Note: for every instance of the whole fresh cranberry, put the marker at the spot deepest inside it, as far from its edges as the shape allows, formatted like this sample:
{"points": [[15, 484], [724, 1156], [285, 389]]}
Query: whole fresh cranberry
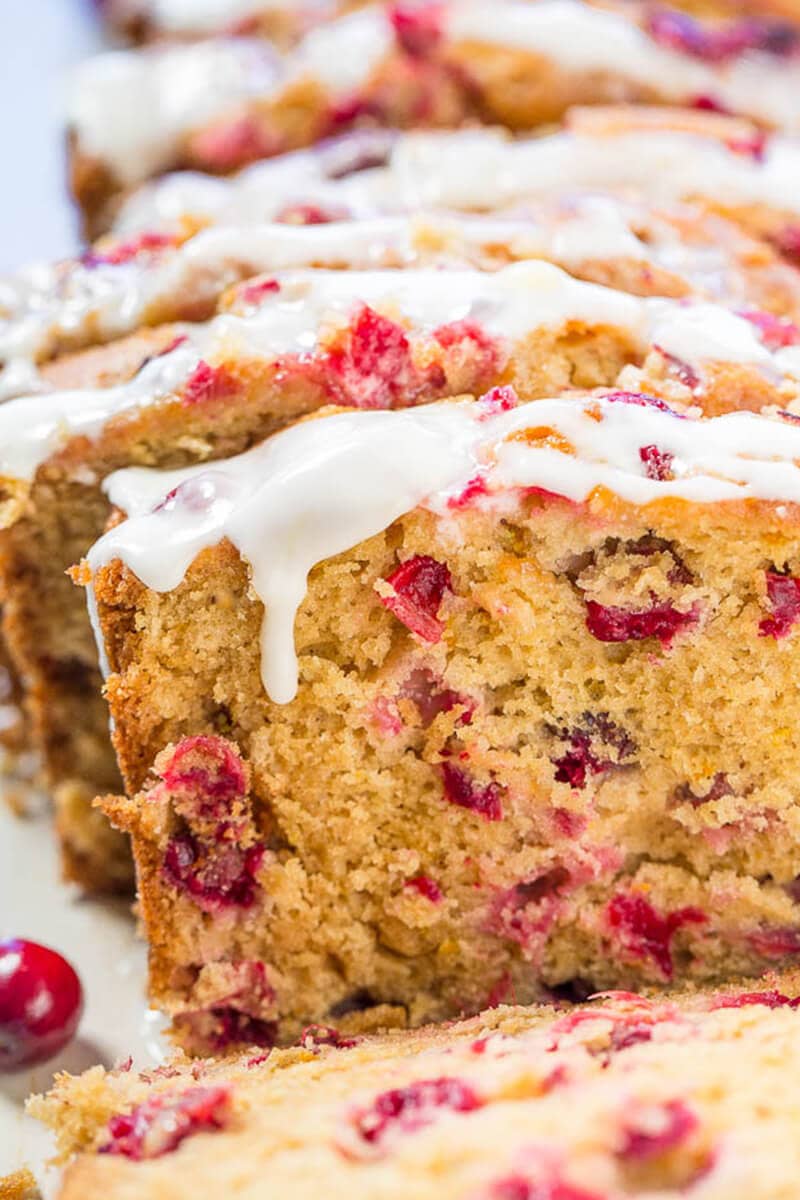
{"points": [[41, 1001]]}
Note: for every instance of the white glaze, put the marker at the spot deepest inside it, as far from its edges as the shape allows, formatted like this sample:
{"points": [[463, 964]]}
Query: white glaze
{"points": [[173, 95], [54, 305], [479, 169], [323, 486], [581, 38], [509, 304], [132, 108], [210, 16]]}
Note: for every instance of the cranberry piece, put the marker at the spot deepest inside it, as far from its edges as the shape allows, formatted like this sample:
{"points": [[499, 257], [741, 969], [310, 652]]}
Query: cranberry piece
{"points": [[783, 593], [124, 252], [414, 1106], [159, 1125], [310, 214], [683, 371], [209, 769], [473, 490], [644, 932], [769, 999], [656, 1129], [497, 399], [235, 1028], [425, 886], [595, 745], [520, 1187], [787, 243], [611, 624], [208, 383], [461, 789], [314, 1036], [525, 912], [721, 43], [657, 463], [472, 343], [719, 788], [419, 586], [431, 699], [214, 876], [372, 366], [641, 400], [232, 143], [775, 942], [775, 332], [255, 291], [41, 1001], [418, 29]]}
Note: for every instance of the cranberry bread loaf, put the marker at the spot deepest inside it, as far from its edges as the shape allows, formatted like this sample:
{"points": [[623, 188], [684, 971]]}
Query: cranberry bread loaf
{"points": [[509, 62], [457, 702], [288, 345], [621, 1097]]}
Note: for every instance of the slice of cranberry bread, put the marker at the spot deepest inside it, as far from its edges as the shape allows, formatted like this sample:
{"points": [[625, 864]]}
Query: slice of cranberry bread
{"points": [[620, 1097], [288, 345], [464, 701], [659, 154], [151, 279], [439, 64]]}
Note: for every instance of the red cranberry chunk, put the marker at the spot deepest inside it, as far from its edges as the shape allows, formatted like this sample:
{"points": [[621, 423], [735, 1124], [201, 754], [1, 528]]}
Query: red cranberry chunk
{"points": [[124, 252], [719, 788], [208, 383], [657, 463], [41, 1001], [419, 586], [431, 699], [595, 745], [474, 345], [232, 143], [159, 1125], [255, 291], [521, 1187], [609, 623], [208, 767], [310, 214], [775, 942], [776, 332], [783, 594], [645, 933], [461, 789], [768, 999], [723, 42], [372, 366], [418, 29], [641, 400], [787, 242], [411, 1107], [657, 1129], [213, 876], [684, 372], [235, 1028], [425, 886], [314, 1036]]}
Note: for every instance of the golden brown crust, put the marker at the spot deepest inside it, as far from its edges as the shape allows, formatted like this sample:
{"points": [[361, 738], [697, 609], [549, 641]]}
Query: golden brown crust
{"points": [[21, 1185]]}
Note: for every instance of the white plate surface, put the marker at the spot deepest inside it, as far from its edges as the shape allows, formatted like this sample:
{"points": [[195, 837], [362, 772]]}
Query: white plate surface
{"points": [[99, 939]]}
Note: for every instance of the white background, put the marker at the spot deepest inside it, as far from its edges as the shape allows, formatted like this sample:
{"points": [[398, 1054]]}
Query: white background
{"points": [[39, 41]]}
